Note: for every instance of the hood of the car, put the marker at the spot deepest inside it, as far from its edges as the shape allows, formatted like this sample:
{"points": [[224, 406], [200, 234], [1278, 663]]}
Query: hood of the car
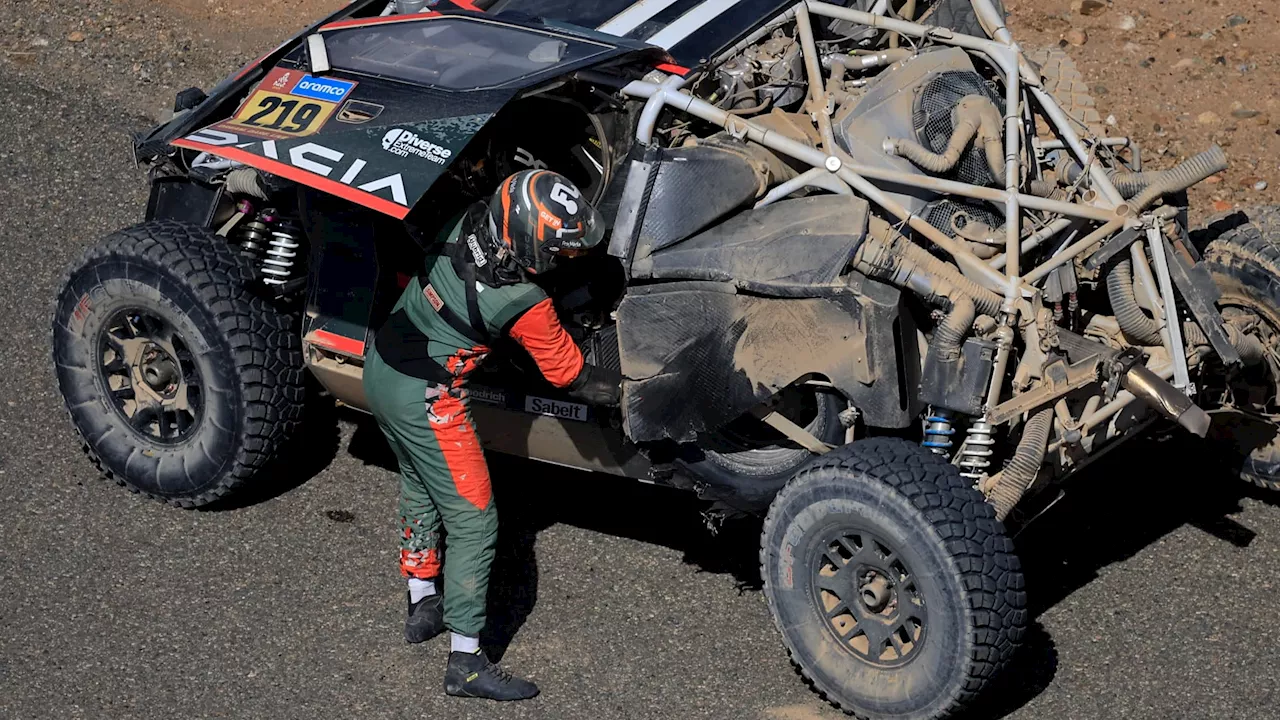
{"points": [[404, 97]]}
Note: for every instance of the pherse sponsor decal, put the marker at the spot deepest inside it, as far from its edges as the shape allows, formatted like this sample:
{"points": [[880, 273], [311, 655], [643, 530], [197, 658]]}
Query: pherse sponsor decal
{"points": [[406, 142], [555, 408]]}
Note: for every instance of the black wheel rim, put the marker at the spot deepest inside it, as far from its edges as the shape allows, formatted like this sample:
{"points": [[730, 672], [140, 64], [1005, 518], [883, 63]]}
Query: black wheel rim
{"points": [[869, 599], [150, 376]]}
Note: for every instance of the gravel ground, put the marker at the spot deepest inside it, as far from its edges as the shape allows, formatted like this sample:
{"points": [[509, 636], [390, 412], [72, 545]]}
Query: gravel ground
{"points": [[1152, 583]]}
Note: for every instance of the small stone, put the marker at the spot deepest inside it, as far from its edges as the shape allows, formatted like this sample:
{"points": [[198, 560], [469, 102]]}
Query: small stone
{"points": [[1208, 117], [1208, 35], [1127, 23], [1220, 60], [1132, 47], [1169, 34], [1237, 21], [1248, 182], [1213, 180], [1076, 37], [1245, 113], [1100, 89], [38, 42], [1260, 185], [1184, 64], [1147, 63], [1221, 206], [76, 36], [1111, 120], [1263, 119], [1094, 7]]}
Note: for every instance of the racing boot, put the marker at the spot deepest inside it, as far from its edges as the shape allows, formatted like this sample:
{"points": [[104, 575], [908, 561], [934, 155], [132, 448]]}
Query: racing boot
{"points": [[472, 675], [425, 619]]}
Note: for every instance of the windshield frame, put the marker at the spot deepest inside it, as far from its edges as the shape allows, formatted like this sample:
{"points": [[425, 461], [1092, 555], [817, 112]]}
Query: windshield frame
{"points": [[599, 49]]}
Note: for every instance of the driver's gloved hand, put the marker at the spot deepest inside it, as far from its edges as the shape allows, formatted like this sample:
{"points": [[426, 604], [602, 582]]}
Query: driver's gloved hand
{"points": [[597, 386]]}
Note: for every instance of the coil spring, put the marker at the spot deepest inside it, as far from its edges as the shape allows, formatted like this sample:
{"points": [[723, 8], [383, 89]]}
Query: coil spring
{"points": [[272, 243], [282, 253], [976, 452], [937, 433]]}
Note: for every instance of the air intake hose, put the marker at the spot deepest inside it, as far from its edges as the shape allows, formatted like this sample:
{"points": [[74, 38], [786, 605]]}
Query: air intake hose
{"points": [[1131, 184], [1024, 465], [1251, 349], [950, 333], [888, 255], [1135, 323], [974, 115], [1128, 183], [1187, 173]]}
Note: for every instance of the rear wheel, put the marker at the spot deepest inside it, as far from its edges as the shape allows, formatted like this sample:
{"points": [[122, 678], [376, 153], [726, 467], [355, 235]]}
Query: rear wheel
{"points": [[895, 589], [182, 383], [1244, 260], [747, 461]]}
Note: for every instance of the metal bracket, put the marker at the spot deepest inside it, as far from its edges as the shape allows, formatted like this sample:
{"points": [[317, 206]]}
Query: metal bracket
{"points": [[1113, 247], [1059, 379], [1173, 325], [1200, 294], [799, 435]]}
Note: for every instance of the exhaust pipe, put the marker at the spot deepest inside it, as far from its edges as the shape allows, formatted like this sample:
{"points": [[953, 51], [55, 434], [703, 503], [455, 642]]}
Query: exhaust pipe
{"points": [[1159, 394], [1139, 380]]}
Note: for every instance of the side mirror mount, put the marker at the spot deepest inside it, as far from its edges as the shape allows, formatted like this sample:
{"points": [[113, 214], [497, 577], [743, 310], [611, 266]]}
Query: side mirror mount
{"points": [[317, 55]]}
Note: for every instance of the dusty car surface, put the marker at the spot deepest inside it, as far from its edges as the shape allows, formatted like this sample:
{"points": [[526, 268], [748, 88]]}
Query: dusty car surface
{"points": [[874, 270]]}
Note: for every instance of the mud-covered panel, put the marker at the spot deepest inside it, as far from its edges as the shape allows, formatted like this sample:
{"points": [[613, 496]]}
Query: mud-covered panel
{"points": [[697, 355], [794, 247], [676, 193]]}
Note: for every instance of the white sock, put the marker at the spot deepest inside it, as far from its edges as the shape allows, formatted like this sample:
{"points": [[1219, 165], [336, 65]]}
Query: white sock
{"points": [[465, 644], [419, 589]]}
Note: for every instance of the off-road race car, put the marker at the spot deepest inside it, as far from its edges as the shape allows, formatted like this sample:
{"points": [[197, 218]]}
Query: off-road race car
{"points": [[873, 269]]}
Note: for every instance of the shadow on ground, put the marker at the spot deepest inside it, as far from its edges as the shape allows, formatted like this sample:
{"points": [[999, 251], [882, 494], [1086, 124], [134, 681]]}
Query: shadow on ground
{"points": [[1124, 503], [309, 452]]}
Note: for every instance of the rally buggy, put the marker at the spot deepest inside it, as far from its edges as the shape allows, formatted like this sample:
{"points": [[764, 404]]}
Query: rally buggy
{"points": [[889, 280]]}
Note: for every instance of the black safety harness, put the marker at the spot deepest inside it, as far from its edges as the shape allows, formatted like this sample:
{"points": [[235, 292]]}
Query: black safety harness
{"points": [[404, 346]]}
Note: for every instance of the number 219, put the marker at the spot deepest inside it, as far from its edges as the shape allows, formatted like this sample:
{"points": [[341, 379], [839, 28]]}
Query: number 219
{"points": [[294, 117]]}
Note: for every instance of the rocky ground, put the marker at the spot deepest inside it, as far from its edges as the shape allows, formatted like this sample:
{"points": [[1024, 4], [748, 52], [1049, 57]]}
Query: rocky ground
{"points": [[1152, 584], [1178, 75]]}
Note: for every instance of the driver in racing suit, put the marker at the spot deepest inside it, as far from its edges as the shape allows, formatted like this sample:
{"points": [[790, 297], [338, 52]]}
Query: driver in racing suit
{"points": [[474, 286]]}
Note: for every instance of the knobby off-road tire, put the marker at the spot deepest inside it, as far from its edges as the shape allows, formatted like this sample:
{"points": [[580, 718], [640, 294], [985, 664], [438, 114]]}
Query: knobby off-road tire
{"points": [[165, 302], [1244, 259], [883, 534], [1063, 80]]}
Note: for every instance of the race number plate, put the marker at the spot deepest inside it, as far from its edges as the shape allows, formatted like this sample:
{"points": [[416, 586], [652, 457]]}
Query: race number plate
{"points": [[280, 116]]}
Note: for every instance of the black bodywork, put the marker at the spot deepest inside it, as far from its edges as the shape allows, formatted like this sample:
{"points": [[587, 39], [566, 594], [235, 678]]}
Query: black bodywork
{"points": [[708, 307]]}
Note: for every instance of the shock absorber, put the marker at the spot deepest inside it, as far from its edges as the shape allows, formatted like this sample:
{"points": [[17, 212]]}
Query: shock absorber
{"points": [[282, 253], [251, 235], [938, 432], [976, 452], [271, 241]]}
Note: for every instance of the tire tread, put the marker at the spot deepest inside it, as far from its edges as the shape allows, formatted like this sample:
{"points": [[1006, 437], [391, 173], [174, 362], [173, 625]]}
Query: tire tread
{"points": [[965, 523], [264, 343]]}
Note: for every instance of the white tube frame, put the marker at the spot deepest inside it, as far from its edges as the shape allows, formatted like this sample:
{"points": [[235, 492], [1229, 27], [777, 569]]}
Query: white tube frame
{"points": [[1107, 208]]}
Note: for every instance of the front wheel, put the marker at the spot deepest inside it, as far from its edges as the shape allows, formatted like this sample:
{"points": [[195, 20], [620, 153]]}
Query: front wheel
{"points": [[182, 383], [895, 589]]}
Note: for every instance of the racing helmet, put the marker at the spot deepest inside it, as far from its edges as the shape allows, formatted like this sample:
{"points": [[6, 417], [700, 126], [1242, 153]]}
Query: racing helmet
{"points": [[538, 216]]}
